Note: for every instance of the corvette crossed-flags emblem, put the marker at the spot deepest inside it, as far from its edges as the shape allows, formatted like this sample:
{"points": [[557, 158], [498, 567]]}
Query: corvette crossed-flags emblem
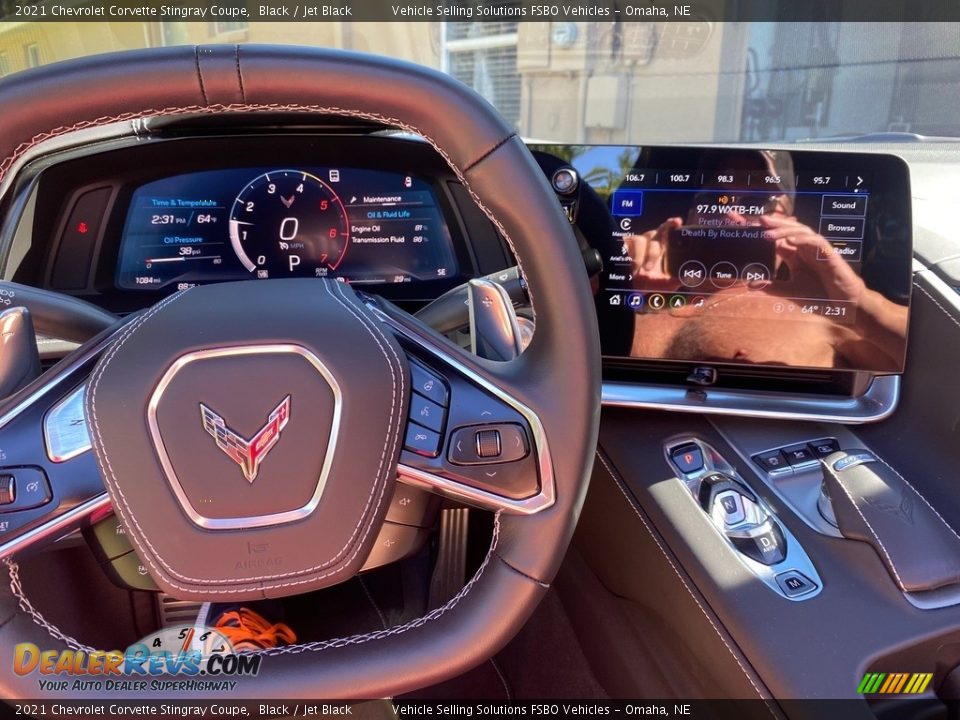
{"points": [[248, 454]]}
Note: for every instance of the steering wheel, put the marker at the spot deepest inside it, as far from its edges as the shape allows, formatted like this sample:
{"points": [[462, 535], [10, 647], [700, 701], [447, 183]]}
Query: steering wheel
{"points": [[318, 377]]}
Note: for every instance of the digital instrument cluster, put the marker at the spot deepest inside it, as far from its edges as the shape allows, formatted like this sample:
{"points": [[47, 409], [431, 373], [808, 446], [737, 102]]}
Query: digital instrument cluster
{"points": [[357, 225]]}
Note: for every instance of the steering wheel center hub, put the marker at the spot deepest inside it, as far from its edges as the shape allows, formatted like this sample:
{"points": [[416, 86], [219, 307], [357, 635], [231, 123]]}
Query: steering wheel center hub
{"points": [[234, 460], [272, 417]]}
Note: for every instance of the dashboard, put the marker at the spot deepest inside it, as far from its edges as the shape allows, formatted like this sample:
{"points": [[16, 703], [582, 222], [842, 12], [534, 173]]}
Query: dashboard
{"points": [[123, 225], [745, 268]]}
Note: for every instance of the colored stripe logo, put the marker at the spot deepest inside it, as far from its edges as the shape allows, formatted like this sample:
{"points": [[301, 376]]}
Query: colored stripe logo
{"points": [[894, 683]]}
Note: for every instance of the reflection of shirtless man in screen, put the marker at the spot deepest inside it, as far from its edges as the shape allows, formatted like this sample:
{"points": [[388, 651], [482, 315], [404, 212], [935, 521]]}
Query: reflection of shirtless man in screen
{"points": [[747, 323]]}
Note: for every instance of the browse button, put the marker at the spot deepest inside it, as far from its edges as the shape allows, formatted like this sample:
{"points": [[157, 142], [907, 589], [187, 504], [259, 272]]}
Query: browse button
{"points": [[842, 228]]}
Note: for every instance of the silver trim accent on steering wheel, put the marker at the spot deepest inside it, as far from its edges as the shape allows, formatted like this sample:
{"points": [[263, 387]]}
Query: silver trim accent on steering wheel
{"points": [[456, 490]]}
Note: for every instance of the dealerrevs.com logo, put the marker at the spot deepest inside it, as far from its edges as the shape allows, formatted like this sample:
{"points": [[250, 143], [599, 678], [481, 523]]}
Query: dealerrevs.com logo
{"points": [[184, 659]]}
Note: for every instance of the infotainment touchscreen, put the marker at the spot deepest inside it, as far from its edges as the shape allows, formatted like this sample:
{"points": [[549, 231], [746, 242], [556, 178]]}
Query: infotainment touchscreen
{"points": [[761, 257]]}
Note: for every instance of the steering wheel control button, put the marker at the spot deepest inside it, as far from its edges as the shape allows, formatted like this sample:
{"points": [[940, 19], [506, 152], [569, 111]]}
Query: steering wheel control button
{"points": [[773, 462], [795, 584], [422, 441], [427, 413], [395, 542], [412, 506], [766, 544], [822, 448], [687, 458], [108, 539], [799, 455], [488, 444], [728, 508], [463, 448], [131, 572], [513, 443], [27, 486], [8, 489], [428, 384], [853, 460]]}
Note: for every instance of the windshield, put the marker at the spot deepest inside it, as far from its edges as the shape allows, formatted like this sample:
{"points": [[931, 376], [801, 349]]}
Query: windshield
{"points": [[617, 82]]}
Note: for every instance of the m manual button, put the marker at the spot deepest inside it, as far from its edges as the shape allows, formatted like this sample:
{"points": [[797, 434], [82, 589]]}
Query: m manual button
{"points": [[794, 583]]}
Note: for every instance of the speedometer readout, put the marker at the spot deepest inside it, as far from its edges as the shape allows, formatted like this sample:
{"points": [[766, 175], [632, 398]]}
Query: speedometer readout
{"points": [[289, 223]]}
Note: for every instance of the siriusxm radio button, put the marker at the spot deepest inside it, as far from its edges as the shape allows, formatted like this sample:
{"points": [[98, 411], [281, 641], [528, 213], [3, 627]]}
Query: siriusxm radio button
{"points": [[628, 202], [842, 228], [693, 273], [853, 205], [849, 250], [723, 274]]}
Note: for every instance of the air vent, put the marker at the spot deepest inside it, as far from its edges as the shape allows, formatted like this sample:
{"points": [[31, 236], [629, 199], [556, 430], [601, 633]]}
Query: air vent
{"points": [[734, 377]]}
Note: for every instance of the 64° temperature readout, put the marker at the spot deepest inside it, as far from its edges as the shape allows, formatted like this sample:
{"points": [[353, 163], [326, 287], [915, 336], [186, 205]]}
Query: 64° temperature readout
{"points": [[177, 239]]}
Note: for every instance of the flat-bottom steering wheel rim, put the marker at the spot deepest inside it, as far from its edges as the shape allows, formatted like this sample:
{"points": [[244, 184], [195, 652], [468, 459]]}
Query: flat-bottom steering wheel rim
{"points": [[558, 375]]}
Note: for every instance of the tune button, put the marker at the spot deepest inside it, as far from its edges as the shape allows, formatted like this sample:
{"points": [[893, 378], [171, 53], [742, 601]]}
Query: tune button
{"points": [[723, 274]]}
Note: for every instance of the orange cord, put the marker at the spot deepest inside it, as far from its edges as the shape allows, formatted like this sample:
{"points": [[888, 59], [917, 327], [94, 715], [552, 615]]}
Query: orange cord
{"points": [[247, 630]]}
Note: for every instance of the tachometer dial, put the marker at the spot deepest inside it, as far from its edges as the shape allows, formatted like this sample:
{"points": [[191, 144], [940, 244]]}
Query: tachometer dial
{"points": [[288, 223]]}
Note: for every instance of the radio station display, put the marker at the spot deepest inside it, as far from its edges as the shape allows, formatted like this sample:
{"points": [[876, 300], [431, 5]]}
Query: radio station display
{"points": [[760, 257], [360, 226]]}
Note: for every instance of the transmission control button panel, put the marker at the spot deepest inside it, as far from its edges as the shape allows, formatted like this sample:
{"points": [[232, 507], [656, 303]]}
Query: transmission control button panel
{"points": [[742, 520]]}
